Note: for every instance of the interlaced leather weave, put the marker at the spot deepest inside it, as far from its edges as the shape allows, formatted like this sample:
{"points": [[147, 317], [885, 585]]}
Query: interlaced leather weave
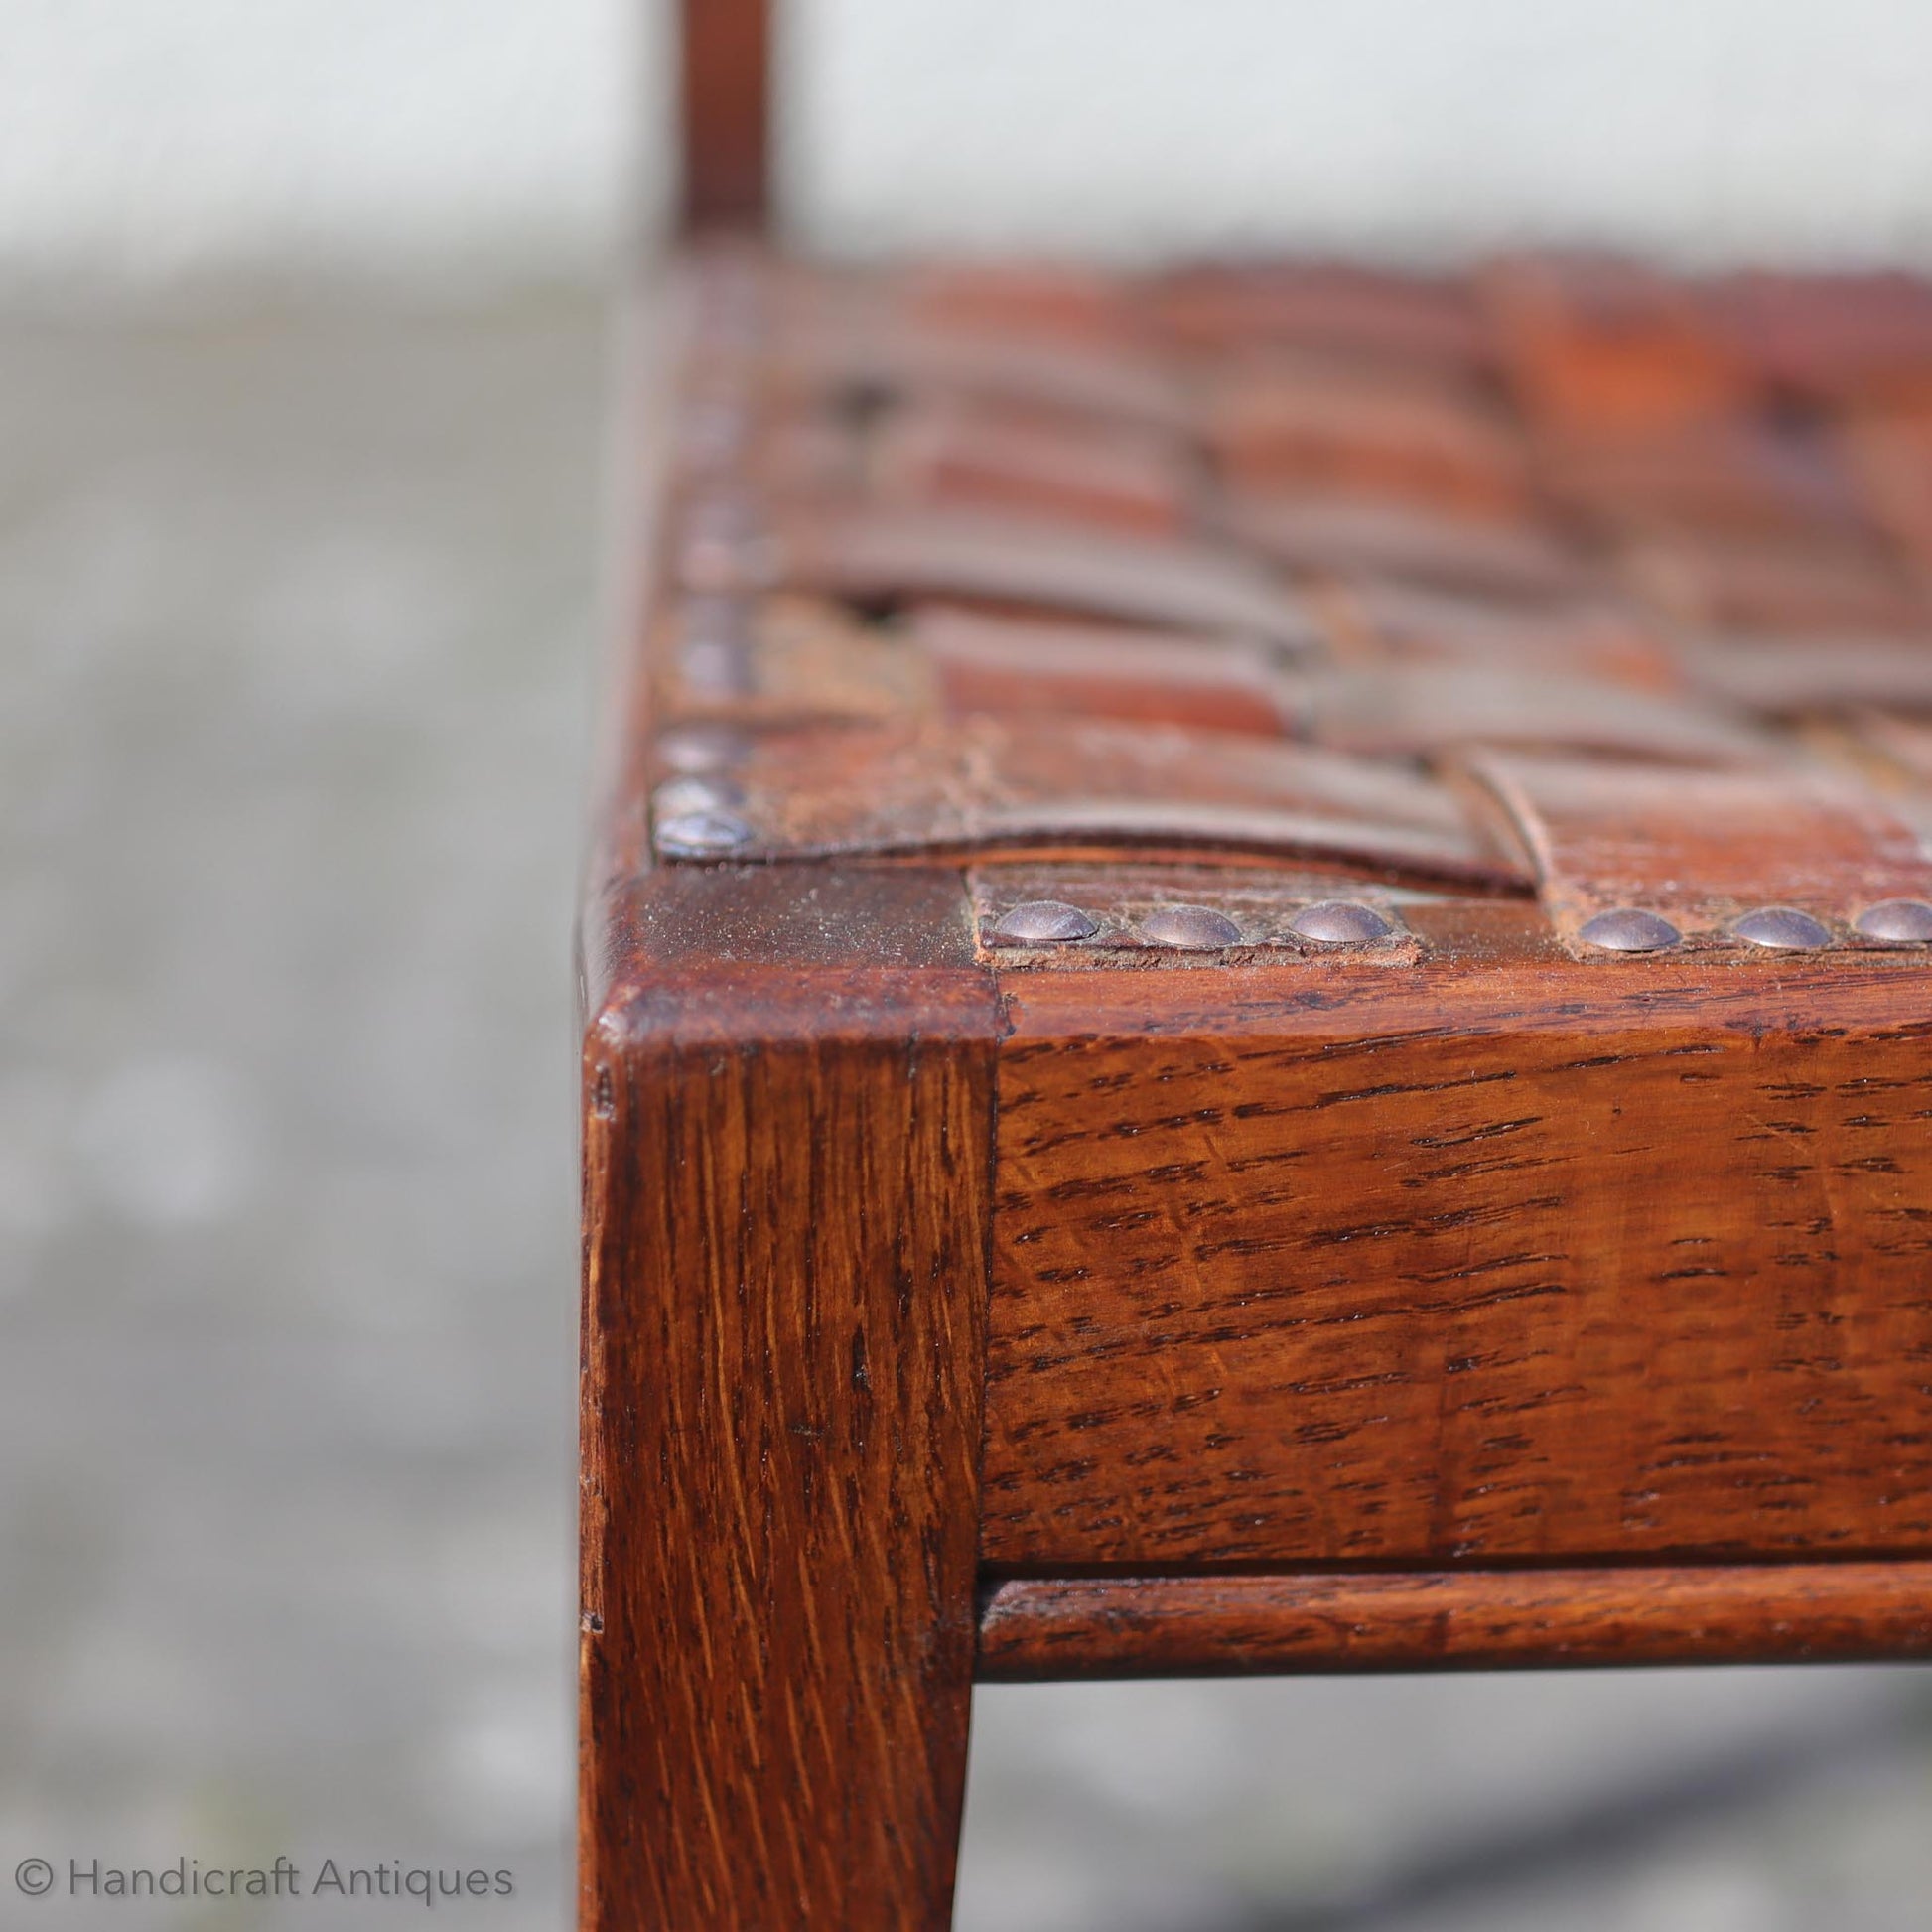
{"points": [[1316, 563]]}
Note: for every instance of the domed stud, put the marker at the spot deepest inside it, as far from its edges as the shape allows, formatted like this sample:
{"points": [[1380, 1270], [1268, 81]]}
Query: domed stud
{"points": [[1897, 921], [1339, 923], [716, 654], [702, 835], [718, 667], [1189, 928], [724, 546], [1043, 922], [1626, 928], [700, 747], [693, 796], [1783, 929], [713, 431]]}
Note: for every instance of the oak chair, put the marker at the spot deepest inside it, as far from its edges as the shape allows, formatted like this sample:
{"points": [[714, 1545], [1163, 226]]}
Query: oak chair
{"points": [[1255, 1000]]}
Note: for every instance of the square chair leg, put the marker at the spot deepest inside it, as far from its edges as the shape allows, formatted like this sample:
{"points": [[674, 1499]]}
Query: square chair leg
{"points": [[784, 1315]]}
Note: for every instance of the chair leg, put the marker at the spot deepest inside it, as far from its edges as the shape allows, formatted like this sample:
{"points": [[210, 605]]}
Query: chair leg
{"points": [[784, 1358]]}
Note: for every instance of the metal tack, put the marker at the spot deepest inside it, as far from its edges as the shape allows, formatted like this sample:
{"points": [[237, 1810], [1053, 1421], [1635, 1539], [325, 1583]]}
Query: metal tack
{"points": [[700, 747], [1627, 928], [1043, 922], [1903, 921], [725, 546], [702, 835], [1782, 926], [719, 667], [716, 653], [1340, 922], [1192, 928], [715, 429], [694, 797]]}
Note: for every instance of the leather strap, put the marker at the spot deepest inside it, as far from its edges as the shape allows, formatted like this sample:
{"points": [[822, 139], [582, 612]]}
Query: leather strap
{"points": [[1605, 350], [898, 556], [1417, 710], [1795, 676], [987, 663], [862, 343], [1704, 850], [1121, 477], [1326, 535], [988, 786], [1316, 427]]}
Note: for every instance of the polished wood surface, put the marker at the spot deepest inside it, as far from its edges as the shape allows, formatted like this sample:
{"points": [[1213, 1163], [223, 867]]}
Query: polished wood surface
{"points": [[1430, 1621], [786, 1175], [1514, 1257]]}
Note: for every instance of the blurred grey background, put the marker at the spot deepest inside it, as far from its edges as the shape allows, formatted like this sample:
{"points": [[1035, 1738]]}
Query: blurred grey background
{"points": [[303, 358]]}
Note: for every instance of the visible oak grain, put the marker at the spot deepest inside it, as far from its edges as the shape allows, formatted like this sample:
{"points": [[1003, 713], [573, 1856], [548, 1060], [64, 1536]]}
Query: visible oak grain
{"points": [[786, 1207], [1528, 1258], [1534, 1619]]}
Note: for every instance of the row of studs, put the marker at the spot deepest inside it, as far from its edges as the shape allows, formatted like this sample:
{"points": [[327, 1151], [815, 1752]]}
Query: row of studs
{"points": [[722, 543], [695, 819], [1189, 928], [1893, 922]]}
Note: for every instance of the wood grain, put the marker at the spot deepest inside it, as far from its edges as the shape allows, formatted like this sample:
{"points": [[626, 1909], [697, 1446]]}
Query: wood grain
{"points": [[1487, 1259], [1537, 1619], [786, 1168]]}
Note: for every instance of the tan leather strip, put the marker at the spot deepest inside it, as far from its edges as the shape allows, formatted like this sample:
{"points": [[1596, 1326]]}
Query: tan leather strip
{"points": [[1607, 350], [1346, 535], [1893, 461], [1742, 479], [990, 785], [863, 344], [1378, 620], [1316, 427], [788, 659], [903, 555], [1788, 676], [1419, 709], [984, 662], [1360, 315], [1061, 300], [1897, 753], [1823, 586], [1702, 849], [784, 661], [1833, 338], [1130, 480]]}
